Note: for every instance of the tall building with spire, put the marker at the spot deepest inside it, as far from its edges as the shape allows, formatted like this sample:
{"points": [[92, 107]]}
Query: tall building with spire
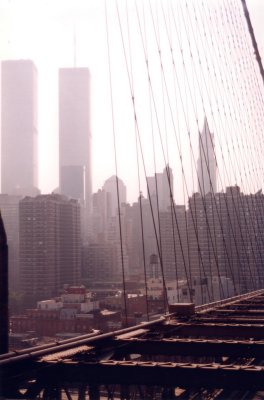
{"points": [[206, 166], [19, 128], [75, 135]]}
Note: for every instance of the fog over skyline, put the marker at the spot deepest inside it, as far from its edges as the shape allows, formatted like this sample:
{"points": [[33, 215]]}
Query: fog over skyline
{"points": [[57, 34]]}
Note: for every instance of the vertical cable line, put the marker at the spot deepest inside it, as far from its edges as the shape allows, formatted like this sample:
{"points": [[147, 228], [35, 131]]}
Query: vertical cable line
{"points": [[199, 131], [248, 95], [203, 149], [244, 93], [259, 126], [167, 171], [231, 192], [208, 68], [161, 65], [182, 171], [246, 198], [142, 156], [242, 207], [239, 149], [138, 173], [169, 103], [156, 182], [221, 81], [256, 123], [116, 168], [199, 183], [207, 165], [153, 98]]}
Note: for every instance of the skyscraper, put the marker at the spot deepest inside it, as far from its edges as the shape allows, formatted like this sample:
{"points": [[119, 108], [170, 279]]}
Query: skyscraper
{"points": [[75, 134], [19, 152], [206, 166], [50, 244]]}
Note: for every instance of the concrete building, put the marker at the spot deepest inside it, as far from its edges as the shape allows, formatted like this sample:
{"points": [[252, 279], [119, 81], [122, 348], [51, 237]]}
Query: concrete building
{"points": [[110, 186], [9, 207], [99, 262], [50, 244], [160, 187], [225, 239], [101, 212], [174, 243], [206, 166], [19, 128], [75, 136]]}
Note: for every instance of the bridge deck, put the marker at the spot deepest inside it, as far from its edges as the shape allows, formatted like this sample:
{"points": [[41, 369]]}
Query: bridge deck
{"points": [[219, 350]]}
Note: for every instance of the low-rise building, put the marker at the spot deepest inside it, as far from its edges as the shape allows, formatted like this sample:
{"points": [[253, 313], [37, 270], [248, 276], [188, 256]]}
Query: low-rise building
{"points": [[74, 311]]}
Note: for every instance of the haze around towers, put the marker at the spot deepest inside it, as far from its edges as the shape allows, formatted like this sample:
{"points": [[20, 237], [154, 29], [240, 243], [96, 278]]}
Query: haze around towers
{"points": [[51, 49]]}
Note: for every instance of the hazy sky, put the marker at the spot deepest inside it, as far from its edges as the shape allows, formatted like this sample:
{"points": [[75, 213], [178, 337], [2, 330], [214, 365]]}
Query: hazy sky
{"points": [[44, 30]]}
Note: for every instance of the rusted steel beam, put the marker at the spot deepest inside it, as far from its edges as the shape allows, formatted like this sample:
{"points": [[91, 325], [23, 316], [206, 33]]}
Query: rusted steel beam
{"points": [[4, 320], [226, 319], [244, 312], [158, 374], [245, 306], [244, 331], [39, 351], [194, 347]]}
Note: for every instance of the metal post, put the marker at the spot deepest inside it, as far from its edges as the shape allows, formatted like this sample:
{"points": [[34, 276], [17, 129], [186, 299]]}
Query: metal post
{"points": [[4, 321]]}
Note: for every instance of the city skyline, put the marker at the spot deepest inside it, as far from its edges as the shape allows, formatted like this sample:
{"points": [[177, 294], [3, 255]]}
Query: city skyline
{"points": [[61, 35]]}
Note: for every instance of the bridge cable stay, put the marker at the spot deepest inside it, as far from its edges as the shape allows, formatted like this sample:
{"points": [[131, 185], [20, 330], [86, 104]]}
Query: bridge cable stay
{"points": [[153, 100], [256, 103], [172, 201], [253, 255], [208, 232], [247, 180], [163, 13], [157, 194], [219, 91], [224, 228], [138, 171], [143, 162], [156, 228], [201, 181], [170, 188], [154, 157], [166, 148], [179, 142], [116, 169], [243, 148], [205, 82], [205, 148], [205, 152], [252, 35], [245, 144]]}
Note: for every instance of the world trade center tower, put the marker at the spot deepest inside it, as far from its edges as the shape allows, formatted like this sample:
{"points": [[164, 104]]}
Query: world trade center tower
{"points": [[75, 135], [19, 128]]}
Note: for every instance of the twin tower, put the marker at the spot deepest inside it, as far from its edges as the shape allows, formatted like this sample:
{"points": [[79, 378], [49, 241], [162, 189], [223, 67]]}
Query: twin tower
{"points": [[19, 130]]}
